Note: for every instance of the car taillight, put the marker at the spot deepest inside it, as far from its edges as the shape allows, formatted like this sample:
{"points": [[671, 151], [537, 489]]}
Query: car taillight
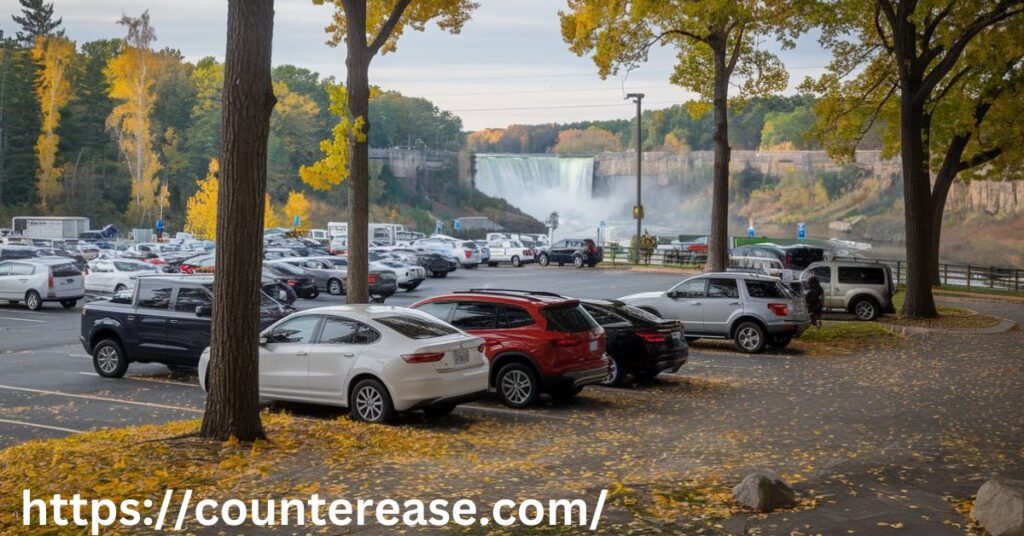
{"points": [[292, 282], [469, 253], [780, 309], [565, 342], [432, 357], [372, 278], [652, 337], [49, 281], [789, 260]]}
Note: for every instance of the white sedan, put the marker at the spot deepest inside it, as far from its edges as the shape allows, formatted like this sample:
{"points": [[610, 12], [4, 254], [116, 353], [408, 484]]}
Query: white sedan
{"points": [[115, 275], [374, 359]]}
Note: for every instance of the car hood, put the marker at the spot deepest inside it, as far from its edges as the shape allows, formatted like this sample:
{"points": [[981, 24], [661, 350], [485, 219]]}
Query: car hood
{"points": [[642, 296]]}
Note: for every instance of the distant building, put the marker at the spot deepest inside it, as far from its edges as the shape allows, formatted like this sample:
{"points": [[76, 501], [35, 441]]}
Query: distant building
{"points": [[476, 223]]}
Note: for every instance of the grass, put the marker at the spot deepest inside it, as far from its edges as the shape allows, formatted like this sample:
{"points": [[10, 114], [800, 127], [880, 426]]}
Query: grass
{"points": [[949, 317], [834, 332]]}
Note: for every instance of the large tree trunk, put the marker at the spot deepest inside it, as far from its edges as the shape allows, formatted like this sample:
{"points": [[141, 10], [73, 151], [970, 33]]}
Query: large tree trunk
{"points": [[232, 406], [919, 302], [357, 64], [718, 240]]}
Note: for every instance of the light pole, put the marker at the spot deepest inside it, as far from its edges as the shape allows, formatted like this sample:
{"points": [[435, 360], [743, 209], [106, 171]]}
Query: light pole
{"points": [[638, 209]]}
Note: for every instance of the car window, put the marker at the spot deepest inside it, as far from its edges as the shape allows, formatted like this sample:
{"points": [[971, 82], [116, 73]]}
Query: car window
{"points": [[5, 268], [515, 317], [19, 268], [417, 327], [569, 319], [65, 270], [439, 310], [693, 288], [723, 288], [823, 273], [339, 330], [475, 315], [604, 316], [864, 275], [155, 297], [191, 297], [763, 289], [298, 330]]}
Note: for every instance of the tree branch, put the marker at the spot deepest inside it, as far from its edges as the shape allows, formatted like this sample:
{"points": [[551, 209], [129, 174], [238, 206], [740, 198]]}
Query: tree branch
{"points": [[876, 112], [389, 26], [737, 47], [879, 30]]}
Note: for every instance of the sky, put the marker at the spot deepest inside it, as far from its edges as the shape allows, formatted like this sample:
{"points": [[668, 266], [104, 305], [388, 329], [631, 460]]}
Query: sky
{"points": [[509, 65]]}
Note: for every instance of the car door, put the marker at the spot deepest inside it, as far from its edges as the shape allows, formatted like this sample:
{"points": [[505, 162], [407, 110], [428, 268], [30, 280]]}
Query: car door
{"points": [[6, 281], [284, 357], [824, 275], [187, 332], [150, 320], [480, 319], [341, 341], [721, 302], [684, 303]]}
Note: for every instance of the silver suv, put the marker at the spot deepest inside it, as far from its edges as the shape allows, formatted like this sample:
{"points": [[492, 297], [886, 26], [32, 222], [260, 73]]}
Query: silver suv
{"points": [[753, 310], [862, 288]]}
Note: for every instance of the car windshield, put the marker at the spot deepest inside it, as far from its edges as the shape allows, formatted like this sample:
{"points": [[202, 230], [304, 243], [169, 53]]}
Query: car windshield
{"points": [[568, 318], [288, 269], [417, 327], [133, 266]]}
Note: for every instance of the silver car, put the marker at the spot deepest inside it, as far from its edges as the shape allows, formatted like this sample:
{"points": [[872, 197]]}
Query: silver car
{"points": [[42, 279], [862, 288], [753, 310], [328, 273]]}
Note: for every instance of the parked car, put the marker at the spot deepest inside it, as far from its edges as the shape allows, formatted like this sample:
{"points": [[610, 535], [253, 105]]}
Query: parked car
{"points": [[300, 280], [640, 344], [579, 252], [862, 288], [436, 264], [751, 309], [785, 262], [275, 253], [510, 251], [115, 275], [88, 251], [376, 360], [465, 252], [198, 264], [331, 273], [14, 251], [485, 251], [166, 319], [39, 280], [536, 342], [409, 275]]}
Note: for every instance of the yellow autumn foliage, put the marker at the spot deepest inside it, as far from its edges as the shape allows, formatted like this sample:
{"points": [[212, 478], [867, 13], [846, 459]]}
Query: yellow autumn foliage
{"points": [[53, 55], [297, 205], [270, 217], [201, 208], [333, 168]]}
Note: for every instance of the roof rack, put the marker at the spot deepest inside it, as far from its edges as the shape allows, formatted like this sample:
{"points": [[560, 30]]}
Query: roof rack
{"points": [[508, 291]]}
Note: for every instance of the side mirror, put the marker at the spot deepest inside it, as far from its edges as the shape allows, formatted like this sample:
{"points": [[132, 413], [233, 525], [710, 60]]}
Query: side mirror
{"points": [[204, 310], [263, 340], [672, 294]]}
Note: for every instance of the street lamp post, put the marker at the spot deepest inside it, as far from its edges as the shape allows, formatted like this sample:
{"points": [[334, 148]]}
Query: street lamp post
{"points": [[638, 210]]}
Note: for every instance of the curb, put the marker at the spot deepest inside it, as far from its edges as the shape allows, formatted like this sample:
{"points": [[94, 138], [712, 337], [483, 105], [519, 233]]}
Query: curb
{"points": [[1004, 325]]}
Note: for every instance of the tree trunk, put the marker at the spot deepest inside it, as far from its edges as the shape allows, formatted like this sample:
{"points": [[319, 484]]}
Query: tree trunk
{"points": [[232, 406], [940, 192], [718, 240], [919, 302], [357, 65]]}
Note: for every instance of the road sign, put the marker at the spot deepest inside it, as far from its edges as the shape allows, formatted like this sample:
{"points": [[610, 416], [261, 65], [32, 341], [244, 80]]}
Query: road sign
{"points": [[457, 224], [801, 231], [159, 225]]}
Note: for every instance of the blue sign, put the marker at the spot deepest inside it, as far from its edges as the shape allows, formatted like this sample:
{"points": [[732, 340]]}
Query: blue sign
{"points": [[457, 225], [295, 221], [801, 231], [439, 227], [160, 225], [750, 232]]}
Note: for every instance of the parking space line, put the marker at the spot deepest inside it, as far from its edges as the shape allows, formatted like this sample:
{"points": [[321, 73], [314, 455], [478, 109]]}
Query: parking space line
{"points": [[516, 413], [101, 399], [151, 380], [43, 426], [22, 319]]}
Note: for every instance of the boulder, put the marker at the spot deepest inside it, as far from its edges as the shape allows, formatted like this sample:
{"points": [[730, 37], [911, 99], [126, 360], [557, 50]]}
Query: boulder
{"points": [[1000, 506], [764, 491]]}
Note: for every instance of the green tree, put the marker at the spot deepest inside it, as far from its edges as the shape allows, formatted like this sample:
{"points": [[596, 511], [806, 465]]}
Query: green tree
{"points": [[715, 41], [789, 129], [37, 20], [19, 124], [399, 120]]}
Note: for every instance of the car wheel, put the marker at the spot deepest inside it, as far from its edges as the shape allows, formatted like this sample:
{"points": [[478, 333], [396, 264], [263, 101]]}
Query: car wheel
{"points": [[438, 411], [370, 402], [749, 338], [865, 309], [68, 304], [516, 263], [782, 342], [577, 262], [614, 373], [442, 274], [313, 295], [542, 259], [119, 288], [109, 360], [33, 301], [592, 264], [517, 386], [334, 287]]}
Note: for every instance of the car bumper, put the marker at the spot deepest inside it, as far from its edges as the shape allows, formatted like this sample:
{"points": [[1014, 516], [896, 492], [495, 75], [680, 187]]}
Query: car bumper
{"points": [[411, 282], [577, 378], [383, 289], [85, 344], [434, 388], [793, 328]]}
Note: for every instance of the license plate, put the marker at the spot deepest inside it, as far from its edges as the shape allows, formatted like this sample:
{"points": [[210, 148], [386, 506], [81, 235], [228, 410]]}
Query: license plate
{"points": [[461, 357], [675, 337], [593, 346]]}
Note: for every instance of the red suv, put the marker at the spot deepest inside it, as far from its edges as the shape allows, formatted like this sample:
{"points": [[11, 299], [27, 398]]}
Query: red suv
{"points": [[536, 341]]}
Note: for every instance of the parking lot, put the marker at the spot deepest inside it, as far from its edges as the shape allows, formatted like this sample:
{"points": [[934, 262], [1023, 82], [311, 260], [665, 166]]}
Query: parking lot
{"points": [[48, 387]]}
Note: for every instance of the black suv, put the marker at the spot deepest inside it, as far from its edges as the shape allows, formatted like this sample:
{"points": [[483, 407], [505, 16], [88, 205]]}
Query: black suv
{"points": [[165, 320], [640, 344], [579, 252]]}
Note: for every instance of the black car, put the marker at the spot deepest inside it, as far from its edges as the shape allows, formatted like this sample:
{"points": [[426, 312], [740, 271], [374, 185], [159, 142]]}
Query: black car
{"points": [[301, 282], [436, 264], [165, 319], [640, 344], [579, 252]]}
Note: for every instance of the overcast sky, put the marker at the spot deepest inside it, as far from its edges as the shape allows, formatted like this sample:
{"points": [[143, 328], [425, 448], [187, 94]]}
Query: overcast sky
{"points": [[509, 64]]}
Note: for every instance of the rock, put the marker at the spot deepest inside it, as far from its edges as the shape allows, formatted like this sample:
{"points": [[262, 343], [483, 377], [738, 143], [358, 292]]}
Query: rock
{"points": [[1000, 506], [764, 491]]}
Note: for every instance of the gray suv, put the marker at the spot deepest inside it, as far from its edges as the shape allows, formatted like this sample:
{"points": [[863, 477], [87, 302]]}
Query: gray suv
{"points": [[753, 310], [862, 288]]}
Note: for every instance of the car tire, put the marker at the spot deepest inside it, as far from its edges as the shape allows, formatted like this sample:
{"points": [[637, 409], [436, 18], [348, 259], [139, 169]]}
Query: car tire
{"points": [[109, 360], [782, 341], [591, 264], [614, 376], [119, 288], [370, 402], [435, 412], [335, 287], [516, 263], [749, 337], [313, 295], [542, 259], [577, 261], [68, 304], [33, 300], [442, 275], [865, 309], [413, 286], [517, 385]]}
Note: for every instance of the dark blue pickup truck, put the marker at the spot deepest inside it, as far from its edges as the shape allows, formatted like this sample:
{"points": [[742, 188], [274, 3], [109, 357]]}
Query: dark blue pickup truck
{"points": [[166, 319]]}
